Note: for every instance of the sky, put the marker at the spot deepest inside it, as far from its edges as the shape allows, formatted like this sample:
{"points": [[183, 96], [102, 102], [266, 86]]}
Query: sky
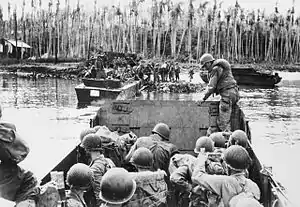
{"points": [[268, 5]]}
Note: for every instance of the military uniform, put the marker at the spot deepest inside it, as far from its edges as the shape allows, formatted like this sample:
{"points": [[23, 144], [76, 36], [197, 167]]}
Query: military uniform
{"points": [[151, 189], [74, 200], [17, 184], [224, 187], [221, 81], [99, 167]]}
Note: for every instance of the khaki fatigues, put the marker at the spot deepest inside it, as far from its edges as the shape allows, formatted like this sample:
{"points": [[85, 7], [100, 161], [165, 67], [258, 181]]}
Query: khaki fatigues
{"points": [[221, 81]]}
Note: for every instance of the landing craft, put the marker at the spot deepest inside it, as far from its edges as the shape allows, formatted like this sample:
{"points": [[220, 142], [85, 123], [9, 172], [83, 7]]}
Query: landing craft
{"points": [[247, 75], [187, 121]]}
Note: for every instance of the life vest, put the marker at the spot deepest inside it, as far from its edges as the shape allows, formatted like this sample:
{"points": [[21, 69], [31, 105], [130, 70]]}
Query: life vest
{"points": [[151, 189], [226, 79]]}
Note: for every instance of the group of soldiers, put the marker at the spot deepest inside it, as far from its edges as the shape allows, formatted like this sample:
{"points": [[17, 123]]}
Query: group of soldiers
{"points": [[217, 176], [151, 173], [144, 71], [166, 72]]}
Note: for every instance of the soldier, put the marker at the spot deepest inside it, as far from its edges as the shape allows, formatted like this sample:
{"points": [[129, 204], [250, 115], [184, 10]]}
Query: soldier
{"points": [[221, 81], [116, 187], [219, 140], [156, 73], [177, 71], [145, 195], [181, 167], [171, 71], [79, 178], [158, 143], [238, 137], [191, 74], [16, 184], [147, 71], [99, 164], [222, 188], [163, 69]]}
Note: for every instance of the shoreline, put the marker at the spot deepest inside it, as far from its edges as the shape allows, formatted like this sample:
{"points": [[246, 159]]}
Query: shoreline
{"points": [[75, 70]]}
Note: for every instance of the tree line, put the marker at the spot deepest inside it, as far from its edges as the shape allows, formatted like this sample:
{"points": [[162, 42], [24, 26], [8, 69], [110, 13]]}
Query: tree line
{"points": [[162, 29]]}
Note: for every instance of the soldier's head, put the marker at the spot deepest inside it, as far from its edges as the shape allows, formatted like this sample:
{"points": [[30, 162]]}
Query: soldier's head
{"points": [[204, 143], [117, 187], [142, 159], [237, 159], [163, 130], [79, 177], [238, 137], [206, 61], [92, 144]]}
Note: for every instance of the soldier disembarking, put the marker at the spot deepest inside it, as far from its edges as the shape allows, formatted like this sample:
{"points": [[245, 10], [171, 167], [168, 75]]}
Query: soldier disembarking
{"points": [[221, 81]]}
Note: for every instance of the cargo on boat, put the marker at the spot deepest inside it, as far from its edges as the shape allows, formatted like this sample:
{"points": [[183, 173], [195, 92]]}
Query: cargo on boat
{"points": [[247, 75], [187, 121], [97, 89]]}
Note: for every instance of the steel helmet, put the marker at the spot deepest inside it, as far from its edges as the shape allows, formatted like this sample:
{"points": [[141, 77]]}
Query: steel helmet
{"points": [[205, 58], [237, 157], [142, 158], [218, 139], [92, 142], [86, 132], [80, 176], [162, 130], [238, 137], [117, 186], [204, 142]]}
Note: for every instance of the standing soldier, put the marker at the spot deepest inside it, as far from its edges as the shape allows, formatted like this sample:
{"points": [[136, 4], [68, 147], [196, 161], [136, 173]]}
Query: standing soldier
{"points": [[177, 71], [145, 194], [163, 68], [191, 74], [99, 164], [156, 73], [221, 81], [171, 72], [140, 71]]}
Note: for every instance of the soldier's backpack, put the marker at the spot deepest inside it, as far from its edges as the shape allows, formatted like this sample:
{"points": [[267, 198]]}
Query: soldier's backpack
{"points": [[151, 189], [215, 164]]}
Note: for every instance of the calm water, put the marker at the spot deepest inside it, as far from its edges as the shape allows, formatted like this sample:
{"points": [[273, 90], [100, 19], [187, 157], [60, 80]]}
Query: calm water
{"points": [[46, 114]]}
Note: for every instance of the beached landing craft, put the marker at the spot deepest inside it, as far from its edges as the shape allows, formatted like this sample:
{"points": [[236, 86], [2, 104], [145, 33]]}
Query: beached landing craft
{"points": [[247, 75], [97, 89], [187, 121]]}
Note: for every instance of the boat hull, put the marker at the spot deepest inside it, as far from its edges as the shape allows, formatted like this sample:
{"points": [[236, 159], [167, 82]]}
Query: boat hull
{"points": [[87, 94], [187, 121], [248, 76]]}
